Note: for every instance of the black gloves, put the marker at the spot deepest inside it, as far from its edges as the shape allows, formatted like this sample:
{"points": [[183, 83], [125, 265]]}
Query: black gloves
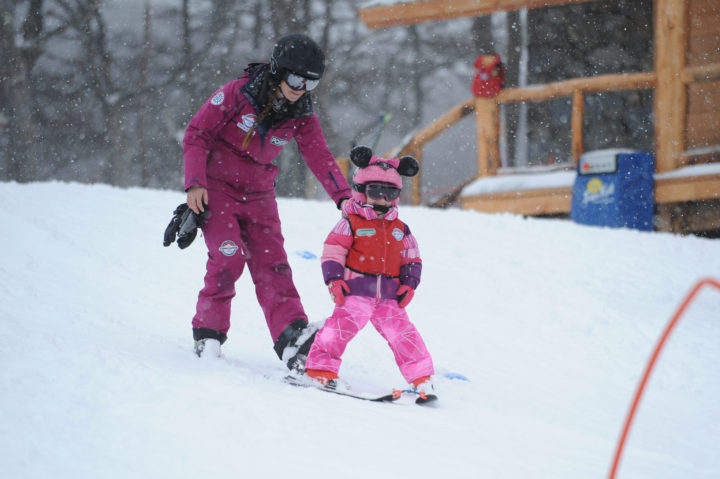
{"points": [[184, 224]]}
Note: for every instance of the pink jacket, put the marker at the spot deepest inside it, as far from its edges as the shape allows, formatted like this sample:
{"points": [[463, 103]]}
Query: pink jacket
{"points": [[340, 241], [215, 158]]}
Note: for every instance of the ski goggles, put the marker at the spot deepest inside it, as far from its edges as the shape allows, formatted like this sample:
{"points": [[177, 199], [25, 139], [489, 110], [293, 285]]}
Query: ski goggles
{"points": [[300, 83], [377, 191]]}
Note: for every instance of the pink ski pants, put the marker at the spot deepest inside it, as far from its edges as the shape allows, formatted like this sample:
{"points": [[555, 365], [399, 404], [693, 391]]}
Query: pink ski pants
{"points": [[244, 231], [390, 320]]}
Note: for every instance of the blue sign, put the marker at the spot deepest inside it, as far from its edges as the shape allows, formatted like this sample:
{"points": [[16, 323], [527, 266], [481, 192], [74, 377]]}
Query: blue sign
{"points": [[623, 198]]}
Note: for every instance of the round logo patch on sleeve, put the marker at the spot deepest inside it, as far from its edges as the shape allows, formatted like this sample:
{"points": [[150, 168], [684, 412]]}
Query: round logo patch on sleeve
{"points": [[218, 98]]}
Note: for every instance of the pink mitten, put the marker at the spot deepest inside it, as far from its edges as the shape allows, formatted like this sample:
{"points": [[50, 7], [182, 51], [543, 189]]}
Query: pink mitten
{"points": [[405, 294], [338, 288]]}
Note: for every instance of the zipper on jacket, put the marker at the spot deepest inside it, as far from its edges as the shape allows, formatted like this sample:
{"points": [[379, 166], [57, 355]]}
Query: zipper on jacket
{"points": [[383, 229]]}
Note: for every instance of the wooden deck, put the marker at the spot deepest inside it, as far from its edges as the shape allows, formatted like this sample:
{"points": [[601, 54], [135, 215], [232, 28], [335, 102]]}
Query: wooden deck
{"points": [[551, 201], [686, 88]]}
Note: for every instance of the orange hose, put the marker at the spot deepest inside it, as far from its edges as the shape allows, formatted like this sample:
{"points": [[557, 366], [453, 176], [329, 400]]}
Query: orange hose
{"points": [[673, 321]]}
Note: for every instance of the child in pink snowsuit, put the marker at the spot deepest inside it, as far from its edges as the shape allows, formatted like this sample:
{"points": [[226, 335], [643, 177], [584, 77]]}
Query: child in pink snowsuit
{"points": [[372, 267]]}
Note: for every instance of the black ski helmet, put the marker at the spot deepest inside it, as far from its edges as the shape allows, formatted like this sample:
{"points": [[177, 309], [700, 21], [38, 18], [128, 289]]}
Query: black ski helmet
{"points": [[298, 54]]}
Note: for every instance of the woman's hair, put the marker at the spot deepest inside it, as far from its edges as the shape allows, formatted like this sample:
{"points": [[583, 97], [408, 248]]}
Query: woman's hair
{"points": [[272, 89]]}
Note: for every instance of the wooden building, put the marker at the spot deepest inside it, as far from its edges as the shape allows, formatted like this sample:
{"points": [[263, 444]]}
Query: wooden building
{"points": [[686, 88]]}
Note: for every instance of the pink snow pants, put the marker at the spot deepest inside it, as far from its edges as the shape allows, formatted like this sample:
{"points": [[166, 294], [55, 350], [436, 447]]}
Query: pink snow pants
{"points": [[239, 231], [390, 320]]}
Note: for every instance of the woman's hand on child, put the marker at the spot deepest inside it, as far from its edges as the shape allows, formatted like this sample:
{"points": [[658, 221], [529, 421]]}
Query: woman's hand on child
{"points": [[338, 289], [404, 295]]}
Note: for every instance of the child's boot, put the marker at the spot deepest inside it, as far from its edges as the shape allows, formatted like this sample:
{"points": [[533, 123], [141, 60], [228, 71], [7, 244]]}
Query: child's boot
{"points": [[326, 379], [423, 386]]}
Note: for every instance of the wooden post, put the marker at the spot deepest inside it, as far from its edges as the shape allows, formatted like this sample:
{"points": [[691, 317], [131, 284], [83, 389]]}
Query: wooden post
{"points": [[488, 150], [671, 92], [578, 107], [417, 180], [344, 165]]}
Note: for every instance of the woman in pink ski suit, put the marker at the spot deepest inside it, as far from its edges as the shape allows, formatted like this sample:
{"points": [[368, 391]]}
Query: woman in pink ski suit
{"points": [[371, 264], [228, 148]]}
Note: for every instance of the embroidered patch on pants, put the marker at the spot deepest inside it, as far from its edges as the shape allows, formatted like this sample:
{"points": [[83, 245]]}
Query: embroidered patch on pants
{"points": [[228, 248]]}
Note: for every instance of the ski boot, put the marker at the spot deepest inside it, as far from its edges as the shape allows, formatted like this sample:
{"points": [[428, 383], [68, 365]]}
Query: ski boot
{"points": [[423, 387], [293, 345]]}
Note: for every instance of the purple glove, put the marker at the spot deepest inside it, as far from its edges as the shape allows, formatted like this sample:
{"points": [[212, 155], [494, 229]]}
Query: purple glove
{"points": [[404, 294], [338, 289]]}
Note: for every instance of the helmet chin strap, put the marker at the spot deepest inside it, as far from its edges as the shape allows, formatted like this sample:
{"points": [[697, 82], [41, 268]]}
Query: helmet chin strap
{"points": [[379, 208]]}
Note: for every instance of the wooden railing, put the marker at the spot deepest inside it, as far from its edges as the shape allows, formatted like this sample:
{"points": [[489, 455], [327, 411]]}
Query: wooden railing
{"points": [[409, 12], [486, 117]]}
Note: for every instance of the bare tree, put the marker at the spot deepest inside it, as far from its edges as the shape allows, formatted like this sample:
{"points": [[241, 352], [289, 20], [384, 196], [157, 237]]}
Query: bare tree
{"points": [[18, 104], [85, 98]]}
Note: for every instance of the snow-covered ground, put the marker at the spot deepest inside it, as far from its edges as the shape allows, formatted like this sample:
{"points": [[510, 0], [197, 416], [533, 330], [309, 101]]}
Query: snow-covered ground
{"points": [[550, 322]]}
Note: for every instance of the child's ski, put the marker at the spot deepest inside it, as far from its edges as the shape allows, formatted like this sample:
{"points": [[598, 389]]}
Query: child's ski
{"points": [[366, 396], [421, 398]]}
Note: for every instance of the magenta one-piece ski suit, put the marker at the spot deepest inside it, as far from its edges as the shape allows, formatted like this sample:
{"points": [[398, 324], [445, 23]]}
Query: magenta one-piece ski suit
{"points": [[372, 297], [241, 221]]}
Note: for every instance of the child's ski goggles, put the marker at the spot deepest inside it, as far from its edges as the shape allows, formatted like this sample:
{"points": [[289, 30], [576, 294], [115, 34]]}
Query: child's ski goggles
{"points": [[377, 191], [300, 83]]}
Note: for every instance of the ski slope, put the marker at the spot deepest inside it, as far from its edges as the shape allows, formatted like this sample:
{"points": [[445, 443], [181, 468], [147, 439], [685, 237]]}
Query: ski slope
{"points": [[550, 322]]}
